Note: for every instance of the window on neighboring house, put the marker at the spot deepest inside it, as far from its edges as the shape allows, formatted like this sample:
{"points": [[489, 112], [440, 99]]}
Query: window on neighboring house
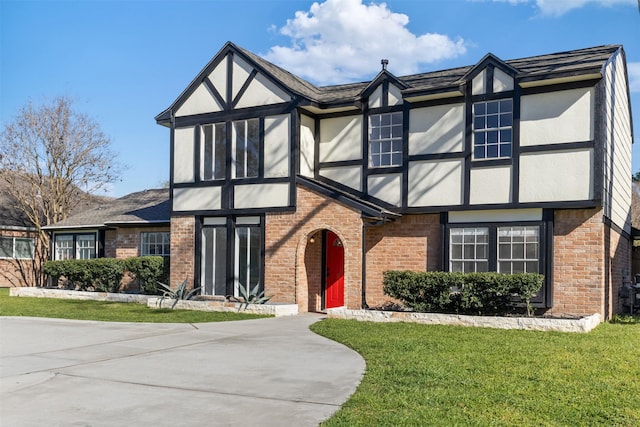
{"points": [[385, 139], [214, 149], [246, 148], [505, 249], [156, 243], [74, 246], [17, 247], [492, 129], [469, 250]]}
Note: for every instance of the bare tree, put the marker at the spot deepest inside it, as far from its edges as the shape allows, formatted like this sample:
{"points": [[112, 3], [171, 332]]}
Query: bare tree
{"points": [[51, 157]]}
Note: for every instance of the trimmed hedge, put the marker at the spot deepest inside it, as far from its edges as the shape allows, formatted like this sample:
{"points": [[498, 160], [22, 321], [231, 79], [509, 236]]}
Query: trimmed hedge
{"points": [[471, 293], [105, 274]]}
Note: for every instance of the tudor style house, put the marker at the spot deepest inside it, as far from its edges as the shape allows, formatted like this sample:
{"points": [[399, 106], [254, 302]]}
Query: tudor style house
{"points": [[311, 193]]}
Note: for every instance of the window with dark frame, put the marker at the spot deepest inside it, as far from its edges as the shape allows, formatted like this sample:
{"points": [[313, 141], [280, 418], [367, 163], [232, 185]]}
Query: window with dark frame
{"points": [[214, 149], [385, 139], [492, 129], [246, 148], [74, 246], [506, 249], [155, 243]]}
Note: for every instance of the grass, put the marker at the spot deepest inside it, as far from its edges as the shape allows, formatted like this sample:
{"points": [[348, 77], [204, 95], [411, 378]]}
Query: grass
{"points": [[419, 375], [107, 311]]}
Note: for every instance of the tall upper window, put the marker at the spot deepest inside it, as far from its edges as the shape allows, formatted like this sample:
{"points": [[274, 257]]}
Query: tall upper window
{"points": [[246, 148], [385, 139], [17, 247], [156, 243], [214, 149], [492, 129]]}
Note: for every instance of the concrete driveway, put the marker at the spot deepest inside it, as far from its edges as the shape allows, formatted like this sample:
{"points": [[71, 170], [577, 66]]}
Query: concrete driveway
{"points": [[266, 372]]}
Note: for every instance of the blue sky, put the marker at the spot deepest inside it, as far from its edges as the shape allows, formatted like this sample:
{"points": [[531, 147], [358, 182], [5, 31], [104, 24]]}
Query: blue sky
{"points": [[126, 61]]}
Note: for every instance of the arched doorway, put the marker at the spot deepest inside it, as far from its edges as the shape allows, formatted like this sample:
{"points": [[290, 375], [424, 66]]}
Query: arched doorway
{"points": [[320, 271]]}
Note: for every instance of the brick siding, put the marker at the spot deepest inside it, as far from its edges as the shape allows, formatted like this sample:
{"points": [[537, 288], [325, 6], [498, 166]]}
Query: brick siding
{"points": [[292, 263], [17, 272], [183, 232], [126, 242]]}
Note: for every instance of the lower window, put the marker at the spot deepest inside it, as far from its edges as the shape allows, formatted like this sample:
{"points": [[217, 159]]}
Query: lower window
{"points": [[156, 243], [231, 255], [74, 246], [17, 247], [506, 249]]}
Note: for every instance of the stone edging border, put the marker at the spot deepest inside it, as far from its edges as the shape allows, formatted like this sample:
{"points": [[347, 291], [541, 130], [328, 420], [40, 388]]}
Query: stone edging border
{"points": [[583, 324], [82, 295]]}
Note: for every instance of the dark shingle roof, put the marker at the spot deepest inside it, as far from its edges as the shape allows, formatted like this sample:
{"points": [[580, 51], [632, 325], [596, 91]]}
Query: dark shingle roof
{"points": [[556, 65], [143, 207]]}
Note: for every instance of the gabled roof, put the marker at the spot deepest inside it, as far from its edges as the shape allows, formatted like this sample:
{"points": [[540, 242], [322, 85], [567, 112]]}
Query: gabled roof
{"points": [[148, 207], [368, 209], [588, 61]]}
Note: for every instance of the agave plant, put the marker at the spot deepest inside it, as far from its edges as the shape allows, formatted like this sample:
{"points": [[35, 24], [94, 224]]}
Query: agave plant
{"points": [[180, 293], [255, 296]]}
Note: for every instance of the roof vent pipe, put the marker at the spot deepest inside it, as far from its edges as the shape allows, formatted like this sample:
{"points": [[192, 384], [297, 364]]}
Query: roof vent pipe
{"points": [[384, 63]]}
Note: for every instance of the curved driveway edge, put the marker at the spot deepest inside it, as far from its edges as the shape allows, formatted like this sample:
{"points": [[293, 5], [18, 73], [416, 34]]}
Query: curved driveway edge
{"points": [[266, 372]]}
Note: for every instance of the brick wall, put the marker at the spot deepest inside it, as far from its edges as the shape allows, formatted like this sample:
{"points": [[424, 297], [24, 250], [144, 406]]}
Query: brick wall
{"points": [[412, 242], [292, 264], [183, 231], [579, 262], [619, 268], [17, 272], [126, 242]]}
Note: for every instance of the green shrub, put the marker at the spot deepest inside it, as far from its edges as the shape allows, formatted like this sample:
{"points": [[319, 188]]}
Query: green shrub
{"points": [[149, 270], [102, 274], [474, 293]]}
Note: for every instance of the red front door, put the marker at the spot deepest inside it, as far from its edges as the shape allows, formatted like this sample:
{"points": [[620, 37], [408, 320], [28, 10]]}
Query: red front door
{"points": [[334, 274]]}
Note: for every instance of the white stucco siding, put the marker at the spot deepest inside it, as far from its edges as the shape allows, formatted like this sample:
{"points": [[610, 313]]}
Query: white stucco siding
{"points": [[351, 176], [375, 99], [196, 199], [490, 185], [241, 71], [436, 129], [183, 155], [501, 81], [435, 183], [218, 78], [262, 91], [557, 176], [496, 215], [261, 195], [557, 117], [199, 102], [395, 95], [386, 187], [617, 150], [341, 139], [478, 84], [277, 137], [307, 145]]}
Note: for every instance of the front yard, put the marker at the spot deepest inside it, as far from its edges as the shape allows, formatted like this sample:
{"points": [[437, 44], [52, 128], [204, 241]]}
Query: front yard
{"points": [[446, 375], [107, 311]]}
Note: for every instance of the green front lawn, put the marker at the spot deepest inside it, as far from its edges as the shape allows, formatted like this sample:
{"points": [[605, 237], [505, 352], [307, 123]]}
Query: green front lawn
{"points": [[107, 311], [419, 375]]}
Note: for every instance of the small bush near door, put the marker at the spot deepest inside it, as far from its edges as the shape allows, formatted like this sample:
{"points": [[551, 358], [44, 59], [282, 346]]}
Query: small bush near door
{"points": [[471, 293]]}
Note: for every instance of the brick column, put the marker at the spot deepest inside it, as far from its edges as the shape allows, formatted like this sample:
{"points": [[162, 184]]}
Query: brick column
{"points": [[183, 245]]}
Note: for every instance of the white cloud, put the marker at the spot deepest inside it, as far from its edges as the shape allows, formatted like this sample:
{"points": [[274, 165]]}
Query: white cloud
{"points": [[560, 7], [339, 41], [633, 69]]}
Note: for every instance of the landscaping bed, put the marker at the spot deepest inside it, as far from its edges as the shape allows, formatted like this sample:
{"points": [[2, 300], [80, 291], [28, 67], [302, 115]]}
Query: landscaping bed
{"points": [[582, 324]]}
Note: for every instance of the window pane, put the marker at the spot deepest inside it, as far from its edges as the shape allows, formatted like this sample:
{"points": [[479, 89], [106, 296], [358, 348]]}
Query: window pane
{"points": [[374, 133], [492, 121], [506, 105], [396, 119], [518, 251], [85, 247], [478, 153], [220, 151], [456, 266], [482, 267], [248, 257], [374, 120], [385, 119], [505, 150], [6, 247], [64, 247], [492, 107], [24, 248], [505, 135], [504, 251], [492, 151], [214, 261], [532, 251], [208, 160], [531, 266], [478, 123], [396, 159], [253, 147], [396, 131], [506, 119], [456, 251]]}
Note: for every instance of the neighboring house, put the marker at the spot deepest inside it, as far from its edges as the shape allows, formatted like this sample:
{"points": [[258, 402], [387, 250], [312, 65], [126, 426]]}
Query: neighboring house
{"points": [[313, 192], [134, 225], [18, 239]]}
